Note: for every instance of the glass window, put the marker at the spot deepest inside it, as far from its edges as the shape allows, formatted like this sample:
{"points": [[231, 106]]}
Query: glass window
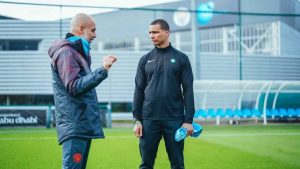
{"points": [[27, 99], [18, 44]]}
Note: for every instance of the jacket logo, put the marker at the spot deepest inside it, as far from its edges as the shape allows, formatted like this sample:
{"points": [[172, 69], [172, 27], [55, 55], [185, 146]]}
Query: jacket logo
{"points": [[173, 60], [149, 61]]}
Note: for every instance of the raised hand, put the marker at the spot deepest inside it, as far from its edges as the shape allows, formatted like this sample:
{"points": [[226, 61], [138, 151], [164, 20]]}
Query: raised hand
{"points": [[108, 61]]}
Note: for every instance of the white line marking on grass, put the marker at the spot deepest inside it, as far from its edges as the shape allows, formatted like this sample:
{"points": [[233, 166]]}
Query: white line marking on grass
{"points": [[248, 134], [55, 138], [133, 137], [27, 138]]}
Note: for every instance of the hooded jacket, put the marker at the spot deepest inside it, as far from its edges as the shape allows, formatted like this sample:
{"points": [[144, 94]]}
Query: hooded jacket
{"points": [[76, 103]]}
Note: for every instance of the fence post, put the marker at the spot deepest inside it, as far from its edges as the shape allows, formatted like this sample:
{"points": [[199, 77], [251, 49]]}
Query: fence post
{"points": [[218, 120], [136, 44], [48, 117], [109, 121]]}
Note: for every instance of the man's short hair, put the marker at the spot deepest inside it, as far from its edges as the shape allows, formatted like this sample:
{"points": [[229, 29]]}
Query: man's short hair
{"points": [[163, 24]]}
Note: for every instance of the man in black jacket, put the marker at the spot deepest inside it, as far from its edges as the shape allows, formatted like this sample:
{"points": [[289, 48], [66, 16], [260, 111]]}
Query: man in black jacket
{"points": [[163, 98], [76, 103]]}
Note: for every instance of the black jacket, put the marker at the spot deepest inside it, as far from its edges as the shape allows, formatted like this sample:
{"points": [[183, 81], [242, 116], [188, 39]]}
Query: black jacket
{"points": [[164, 86], [76, 103]]}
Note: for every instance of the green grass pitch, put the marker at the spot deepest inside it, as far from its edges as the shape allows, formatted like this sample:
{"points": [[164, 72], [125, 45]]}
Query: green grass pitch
{"points": [[226, 147]]}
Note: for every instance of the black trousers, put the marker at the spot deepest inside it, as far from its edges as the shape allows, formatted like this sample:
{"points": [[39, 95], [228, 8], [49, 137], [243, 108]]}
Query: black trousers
{"points": [[153, 131]]}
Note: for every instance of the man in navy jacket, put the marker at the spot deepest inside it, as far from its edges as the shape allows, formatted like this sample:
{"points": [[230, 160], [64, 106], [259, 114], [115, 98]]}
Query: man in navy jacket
{"points": [[76, 103], [163, 98]]}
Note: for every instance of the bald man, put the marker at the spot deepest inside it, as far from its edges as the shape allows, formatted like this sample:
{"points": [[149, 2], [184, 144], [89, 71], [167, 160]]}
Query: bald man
{"points": [[76, 103]]}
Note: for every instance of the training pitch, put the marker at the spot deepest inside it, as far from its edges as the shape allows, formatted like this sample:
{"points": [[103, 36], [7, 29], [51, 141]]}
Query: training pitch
{"points": [[226, 147]]}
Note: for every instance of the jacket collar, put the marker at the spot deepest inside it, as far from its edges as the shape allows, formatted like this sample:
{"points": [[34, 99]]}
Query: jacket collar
{"points": [[81, 45]]}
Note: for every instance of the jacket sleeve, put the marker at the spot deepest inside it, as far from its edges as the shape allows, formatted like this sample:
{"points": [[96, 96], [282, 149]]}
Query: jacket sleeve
{"points": [[140, 84], [188, 93], [69, 70]]}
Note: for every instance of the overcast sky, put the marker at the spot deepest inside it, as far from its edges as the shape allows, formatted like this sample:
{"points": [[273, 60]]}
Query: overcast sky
{"points": [[44, 13]]}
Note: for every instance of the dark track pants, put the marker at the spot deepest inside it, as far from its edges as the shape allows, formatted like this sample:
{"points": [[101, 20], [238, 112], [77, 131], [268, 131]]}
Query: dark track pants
{"points": [[153, 131], [75, 153]]}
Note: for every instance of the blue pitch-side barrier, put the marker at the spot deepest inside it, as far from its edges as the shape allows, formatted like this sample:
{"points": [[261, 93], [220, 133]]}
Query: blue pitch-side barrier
{"points": [[247, 113]]}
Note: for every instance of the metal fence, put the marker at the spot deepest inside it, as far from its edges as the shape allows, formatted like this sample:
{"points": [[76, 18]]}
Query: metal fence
{"points": [[257, 39], [258, 48]]}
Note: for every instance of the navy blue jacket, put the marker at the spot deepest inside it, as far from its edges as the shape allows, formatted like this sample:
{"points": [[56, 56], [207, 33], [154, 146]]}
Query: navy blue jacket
{"points": [[164, 86], [76, 103]]}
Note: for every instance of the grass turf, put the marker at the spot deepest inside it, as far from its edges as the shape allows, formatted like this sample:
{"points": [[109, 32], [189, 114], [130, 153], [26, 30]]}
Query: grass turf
{"points": [[227, 147]]}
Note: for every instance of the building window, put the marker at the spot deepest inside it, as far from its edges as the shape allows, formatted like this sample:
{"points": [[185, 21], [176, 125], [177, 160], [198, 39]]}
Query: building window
{"points": [[18, 44], [36, 100]]}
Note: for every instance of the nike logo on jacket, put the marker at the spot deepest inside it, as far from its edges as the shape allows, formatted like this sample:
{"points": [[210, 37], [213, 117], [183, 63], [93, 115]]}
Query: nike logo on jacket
{"points": [[149, 61]]}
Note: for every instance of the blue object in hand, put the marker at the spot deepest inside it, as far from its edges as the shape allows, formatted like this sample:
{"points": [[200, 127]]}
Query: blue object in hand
{"points": [[197, 130], [181, 133]]}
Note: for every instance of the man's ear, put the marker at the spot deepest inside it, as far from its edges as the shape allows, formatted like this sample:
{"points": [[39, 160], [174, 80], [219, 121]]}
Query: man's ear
{"points": [[168, 33], [81, 28]]}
